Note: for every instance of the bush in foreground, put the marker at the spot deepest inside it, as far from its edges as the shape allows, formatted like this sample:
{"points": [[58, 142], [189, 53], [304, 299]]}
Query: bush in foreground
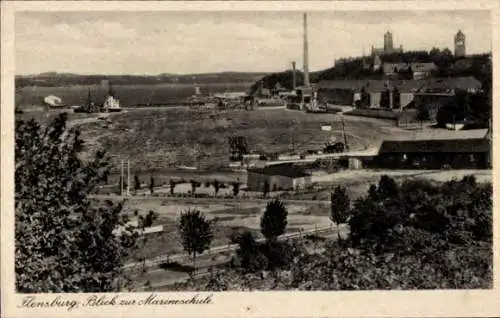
{"points": [[64, 242], [414, 235]]}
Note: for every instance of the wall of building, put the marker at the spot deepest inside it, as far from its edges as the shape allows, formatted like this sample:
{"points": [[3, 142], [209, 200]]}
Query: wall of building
{"points": [[431, 161], [301, 183], [336, 96], [405, 99], [355, 163], [256, 181], [420, 75]]}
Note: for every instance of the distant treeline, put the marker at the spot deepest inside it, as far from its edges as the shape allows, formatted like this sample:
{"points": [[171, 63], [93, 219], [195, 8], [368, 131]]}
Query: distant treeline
{"points": [[61, 79]]}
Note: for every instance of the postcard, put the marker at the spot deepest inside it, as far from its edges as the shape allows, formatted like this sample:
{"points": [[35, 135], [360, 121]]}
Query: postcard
{"points": [[249, 159]]}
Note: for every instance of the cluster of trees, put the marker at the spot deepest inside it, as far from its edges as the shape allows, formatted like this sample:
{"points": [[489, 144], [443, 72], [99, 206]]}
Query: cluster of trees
{"points": [[197, 233], [442, 58], [65, 242], [414, 235], [469, 107], [353, 69], [253, 256]]}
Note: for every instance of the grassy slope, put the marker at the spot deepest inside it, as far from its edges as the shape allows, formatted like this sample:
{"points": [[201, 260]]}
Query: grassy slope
{"points": [[170, 137]]}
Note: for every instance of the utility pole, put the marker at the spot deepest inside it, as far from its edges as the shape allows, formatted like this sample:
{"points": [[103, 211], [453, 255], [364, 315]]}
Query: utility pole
{"points": [[345, 136], [121, 178], [128, 178]]}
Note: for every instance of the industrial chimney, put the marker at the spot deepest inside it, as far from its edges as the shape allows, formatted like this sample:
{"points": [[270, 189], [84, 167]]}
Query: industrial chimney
{"points": [[294, 76], [306, 54]]}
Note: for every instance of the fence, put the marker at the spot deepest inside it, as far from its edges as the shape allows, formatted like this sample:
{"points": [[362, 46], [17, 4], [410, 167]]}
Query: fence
{"points": [[229, 248]]}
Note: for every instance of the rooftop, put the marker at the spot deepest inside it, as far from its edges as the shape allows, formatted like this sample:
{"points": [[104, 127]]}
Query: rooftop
{"points": [[286, 170], [443, 134], [403, 85], [438, 140], [435, 146]]}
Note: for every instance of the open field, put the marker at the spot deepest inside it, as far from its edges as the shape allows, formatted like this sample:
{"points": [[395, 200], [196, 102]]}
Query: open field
{"points": [[129, 95], [167, 138], [229, 217]]}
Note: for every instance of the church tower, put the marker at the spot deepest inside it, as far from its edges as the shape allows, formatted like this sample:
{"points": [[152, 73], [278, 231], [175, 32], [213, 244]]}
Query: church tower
{"points": [[388, 45], [459, 44]]}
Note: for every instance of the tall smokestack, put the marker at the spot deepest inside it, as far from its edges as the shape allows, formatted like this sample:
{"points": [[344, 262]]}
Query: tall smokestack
{"points": [[294, 76], [306, 54]]}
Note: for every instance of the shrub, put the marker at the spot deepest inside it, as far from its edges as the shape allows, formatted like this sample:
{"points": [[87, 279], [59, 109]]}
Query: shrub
{"points": [[249, 252], [281, 254], [458, 212]]}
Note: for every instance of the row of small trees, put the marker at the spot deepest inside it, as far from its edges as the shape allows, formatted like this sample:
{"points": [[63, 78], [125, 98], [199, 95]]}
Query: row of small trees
{"points": [[216, 184]]}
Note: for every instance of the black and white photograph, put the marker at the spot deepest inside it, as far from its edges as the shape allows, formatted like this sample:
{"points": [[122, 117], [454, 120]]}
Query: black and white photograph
{"points": [[222, 151]]}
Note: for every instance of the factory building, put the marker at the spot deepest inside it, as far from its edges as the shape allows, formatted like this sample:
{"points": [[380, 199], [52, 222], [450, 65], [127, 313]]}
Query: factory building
{"points": [[468, 149], [278, 177], [417, 70], [403, 93]]}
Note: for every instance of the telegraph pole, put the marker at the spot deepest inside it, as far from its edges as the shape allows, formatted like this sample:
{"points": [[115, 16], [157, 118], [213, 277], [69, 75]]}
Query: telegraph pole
{"points": [[121, 178], [345, 136], [128, 178]]}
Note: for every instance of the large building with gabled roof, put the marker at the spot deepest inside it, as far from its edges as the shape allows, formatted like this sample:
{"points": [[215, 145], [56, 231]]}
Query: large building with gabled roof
{"points": [[437, 149]]}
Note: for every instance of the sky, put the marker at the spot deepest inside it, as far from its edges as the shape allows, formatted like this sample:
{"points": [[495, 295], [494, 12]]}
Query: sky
{"points": [[149, 43]]}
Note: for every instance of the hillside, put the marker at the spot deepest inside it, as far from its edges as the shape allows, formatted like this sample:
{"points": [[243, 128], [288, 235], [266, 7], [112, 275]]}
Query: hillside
{"points": [[478, 66]]}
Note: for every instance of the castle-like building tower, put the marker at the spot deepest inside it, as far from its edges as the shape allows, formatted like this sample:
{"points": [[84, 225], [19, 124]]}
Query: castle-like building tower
{"points": [[459, 44], [388, 44]]}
